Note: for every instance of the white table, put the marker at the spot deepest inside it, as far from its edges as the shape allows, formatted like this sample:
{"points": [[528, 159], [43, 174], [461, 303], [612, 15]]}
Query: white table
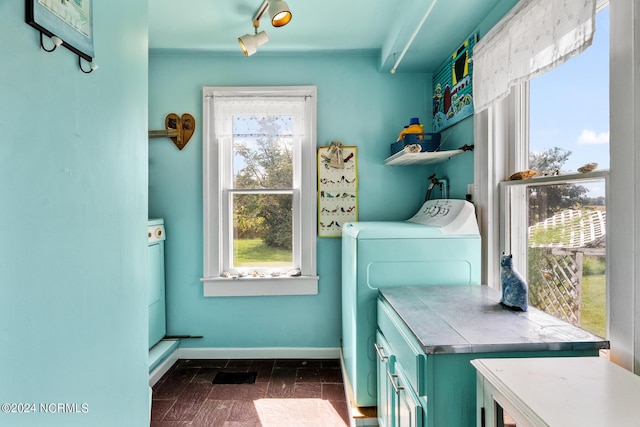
{"points": [[564, 392]]}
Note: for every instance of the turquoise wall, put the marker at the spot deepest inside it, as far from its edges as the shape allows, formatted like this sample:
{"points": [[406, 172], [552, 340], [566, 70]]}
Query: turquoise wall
{"points": [[356, 105], [73, 197], [458, 170]]}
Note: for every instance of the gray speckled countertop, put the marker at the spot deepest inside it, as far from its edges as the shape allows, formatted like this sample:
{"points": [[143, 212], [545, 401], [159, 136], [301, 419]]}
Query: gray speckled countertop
{"points": [[470, 319]]}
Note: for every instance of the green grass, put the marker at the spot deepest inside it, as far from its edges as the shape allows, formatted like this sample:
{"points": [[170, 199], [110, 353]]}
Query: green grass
{"points": [[594, 304], [254, 253]]}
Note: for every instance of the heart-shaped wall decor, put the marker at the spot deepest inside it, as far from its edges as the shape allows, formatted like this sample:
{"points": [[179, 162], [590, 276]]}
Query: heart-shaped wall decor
{"points": [[185, 126]]}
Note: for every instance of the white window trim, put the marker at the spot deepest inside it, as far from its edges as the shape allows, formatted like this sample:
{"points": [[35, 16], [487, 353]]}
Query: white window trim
{"points": [[501, 136], [214, 284], [517, 243], [496, 157], [623, 193], [502, 130]]}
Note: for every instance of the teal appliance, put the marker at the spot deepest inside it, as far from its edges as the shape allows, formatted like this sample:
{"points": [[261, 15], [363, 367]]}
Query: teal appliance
{"points": [[155, 261], [439, 245]]}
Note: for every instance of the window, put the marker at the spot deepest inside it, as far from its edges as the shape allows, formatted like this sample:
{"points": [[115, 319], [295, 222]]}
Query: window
{"points": [[554, 224], [259, 191]]}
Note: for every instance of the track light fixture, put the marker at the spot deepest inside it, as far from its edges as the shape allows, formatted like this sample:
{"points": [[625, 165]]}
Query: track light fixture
{"points": [[279, 13], [250, 43], [280, 16]]}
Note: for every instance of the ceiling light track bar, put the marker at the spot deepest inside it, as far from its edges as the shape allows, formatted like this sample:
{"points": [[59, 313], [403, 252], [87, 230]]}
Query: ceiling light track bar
{"points": [[413, 36], [258, 15]]}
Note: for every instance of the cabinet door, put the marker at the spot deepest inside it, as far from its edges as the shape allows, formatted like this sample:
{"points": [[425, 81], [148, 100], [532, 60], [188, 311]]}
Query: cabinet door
{"points": [[407, 406], [385, 363], [157, 310]]}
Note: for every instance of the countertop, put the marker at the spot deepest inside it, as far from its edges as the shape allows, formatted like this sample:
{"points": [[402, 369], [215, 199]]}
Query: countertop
{"points": [[470, 319]]}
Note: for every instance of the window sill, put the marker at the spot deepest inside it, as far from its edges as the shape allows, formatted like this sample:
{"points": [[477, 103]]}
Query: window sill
{"points": [[259, 286], [598, 174]]}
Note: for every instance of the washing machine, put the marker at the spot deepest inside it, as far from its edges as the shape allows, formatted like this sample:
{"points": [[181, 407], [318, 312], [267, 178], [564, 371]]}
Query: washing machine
{"points": [[439, 245], [155, 262]]}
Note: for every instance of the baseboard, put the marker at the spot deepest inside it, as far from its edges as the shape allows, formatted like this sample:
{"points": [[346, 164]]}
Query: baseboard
{"points": [[259, 353], [163, 367]]}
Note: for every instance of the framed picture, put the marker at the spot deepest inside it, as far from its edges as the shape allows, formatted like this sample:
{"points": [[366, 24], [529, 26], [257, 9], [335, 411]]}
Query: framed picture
{"points": [[70, 20], [337, 189], [452, 87]]}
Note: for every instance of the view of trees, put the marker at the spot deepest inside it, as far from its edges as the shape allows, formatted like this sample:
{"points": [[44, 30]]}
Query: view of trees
{"points": [[266, 160], [545, 201]]}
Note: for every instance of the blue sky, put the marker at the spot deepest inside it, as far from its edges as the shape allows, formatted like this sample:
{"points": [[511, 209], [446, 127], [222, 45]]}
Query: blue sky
{"points": [[570, 104]]}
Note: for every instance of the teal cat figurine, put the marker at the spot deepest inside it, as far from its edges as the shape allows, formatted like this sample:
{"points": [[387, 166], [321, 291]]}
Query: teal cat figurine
{"points": [[515, 293]]}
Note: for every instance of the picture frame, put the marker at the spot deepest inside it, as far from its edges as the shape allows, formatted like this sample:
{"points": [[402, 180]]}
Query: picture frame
{"points": [[337, 190], [452, 87], [69, 20]]}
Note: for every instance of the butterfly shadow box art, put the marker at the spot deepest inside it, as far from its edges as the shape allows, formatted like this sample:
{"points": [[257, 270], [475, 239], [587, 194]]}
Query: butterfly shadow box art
{"points": [[337, 188]]}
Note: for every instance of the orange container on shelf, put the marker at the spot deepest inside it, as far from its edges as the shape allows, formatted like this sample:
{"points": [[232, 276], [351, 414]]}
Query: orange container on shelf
{"points": [[413, 127]]}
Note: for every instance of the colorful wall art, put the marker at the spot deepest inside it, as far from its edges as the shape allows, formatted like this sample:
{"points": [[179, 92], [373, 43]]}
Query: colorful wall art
{"points": [[452, 93]]}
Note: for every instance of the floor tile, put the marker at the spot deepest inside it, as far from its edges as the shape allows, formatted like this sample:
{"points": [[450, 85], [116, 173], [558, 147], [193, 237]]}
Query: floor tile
{"points": [[333, 392], [331, 375], [244, 411], [159, 407], [205, 375], [213, 413], [308, 375], [188, 403], [281, 383], [298, 363], [237, 391], [171, 424], [307, 390], [175, 383], [287, 392]]}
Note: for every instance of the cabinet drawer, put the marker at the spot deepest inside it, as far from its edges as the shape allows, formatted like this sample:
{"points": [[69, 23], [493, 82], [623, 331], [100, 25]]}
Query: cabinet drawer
{"points": [[404, 347]]}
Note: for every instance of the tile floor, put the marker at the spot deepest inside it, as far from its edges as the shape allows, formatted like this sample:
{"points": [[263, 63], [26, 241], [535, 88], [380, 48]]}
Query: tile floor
{"points": [[286, 393]]}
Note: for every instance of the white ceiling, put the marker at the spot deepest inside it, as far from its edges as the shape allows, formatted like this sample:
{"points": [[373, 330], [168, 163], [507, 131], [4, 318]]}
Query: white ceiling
{"points": [[328, 25]]}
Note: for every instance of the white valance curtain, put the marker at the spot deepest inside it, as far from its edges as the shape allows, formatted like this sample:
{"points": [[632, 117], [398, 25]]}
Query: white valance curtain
{"points": [[227, 108], [535, 36]]}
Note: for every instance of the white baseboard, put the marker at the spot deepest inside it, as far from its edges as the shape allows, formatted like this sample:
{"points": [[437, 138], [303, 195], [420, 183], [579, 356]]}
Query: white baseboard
{"points": [[163, 367], [259, 353]]}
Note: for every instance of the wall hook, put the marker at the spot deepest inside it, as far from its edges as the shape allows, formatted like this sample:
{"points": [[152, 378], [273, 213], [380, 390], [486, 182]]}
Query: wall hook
{"points": [[179, 129], [92, 65], [57, 41]]}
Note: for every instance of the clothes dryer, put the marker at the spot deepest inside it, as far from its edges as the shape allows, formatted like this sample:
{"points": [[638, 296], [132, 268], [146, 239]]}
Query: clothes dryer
{"points": [[439, 245]]}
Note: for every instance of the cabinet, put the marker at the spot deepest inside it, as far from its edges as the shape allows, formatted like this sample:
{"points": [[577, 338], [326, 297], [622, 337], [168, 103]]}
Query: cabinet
{"points": [[385, 361], [407, 406], [430, 334], [568, 392], [155, 281], [398, 404]]}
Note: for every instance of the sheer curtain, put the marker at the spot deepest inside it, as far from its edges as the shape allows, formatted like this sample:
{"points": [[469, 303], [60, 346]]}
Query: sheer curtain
{"points": [[535, 36], [226, 107]]}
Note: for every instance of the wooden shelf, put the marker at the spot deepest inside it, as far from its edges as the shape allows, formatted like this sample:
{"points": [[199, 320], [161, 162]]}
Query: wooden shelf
{"points": [[402, 158]]}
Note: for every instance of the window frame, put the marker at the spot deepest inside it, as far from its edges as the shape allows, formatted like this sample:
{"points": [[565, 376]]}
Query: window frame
{"points": [[217, 209], [623, 194], [516, 243], [502, 134]]}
